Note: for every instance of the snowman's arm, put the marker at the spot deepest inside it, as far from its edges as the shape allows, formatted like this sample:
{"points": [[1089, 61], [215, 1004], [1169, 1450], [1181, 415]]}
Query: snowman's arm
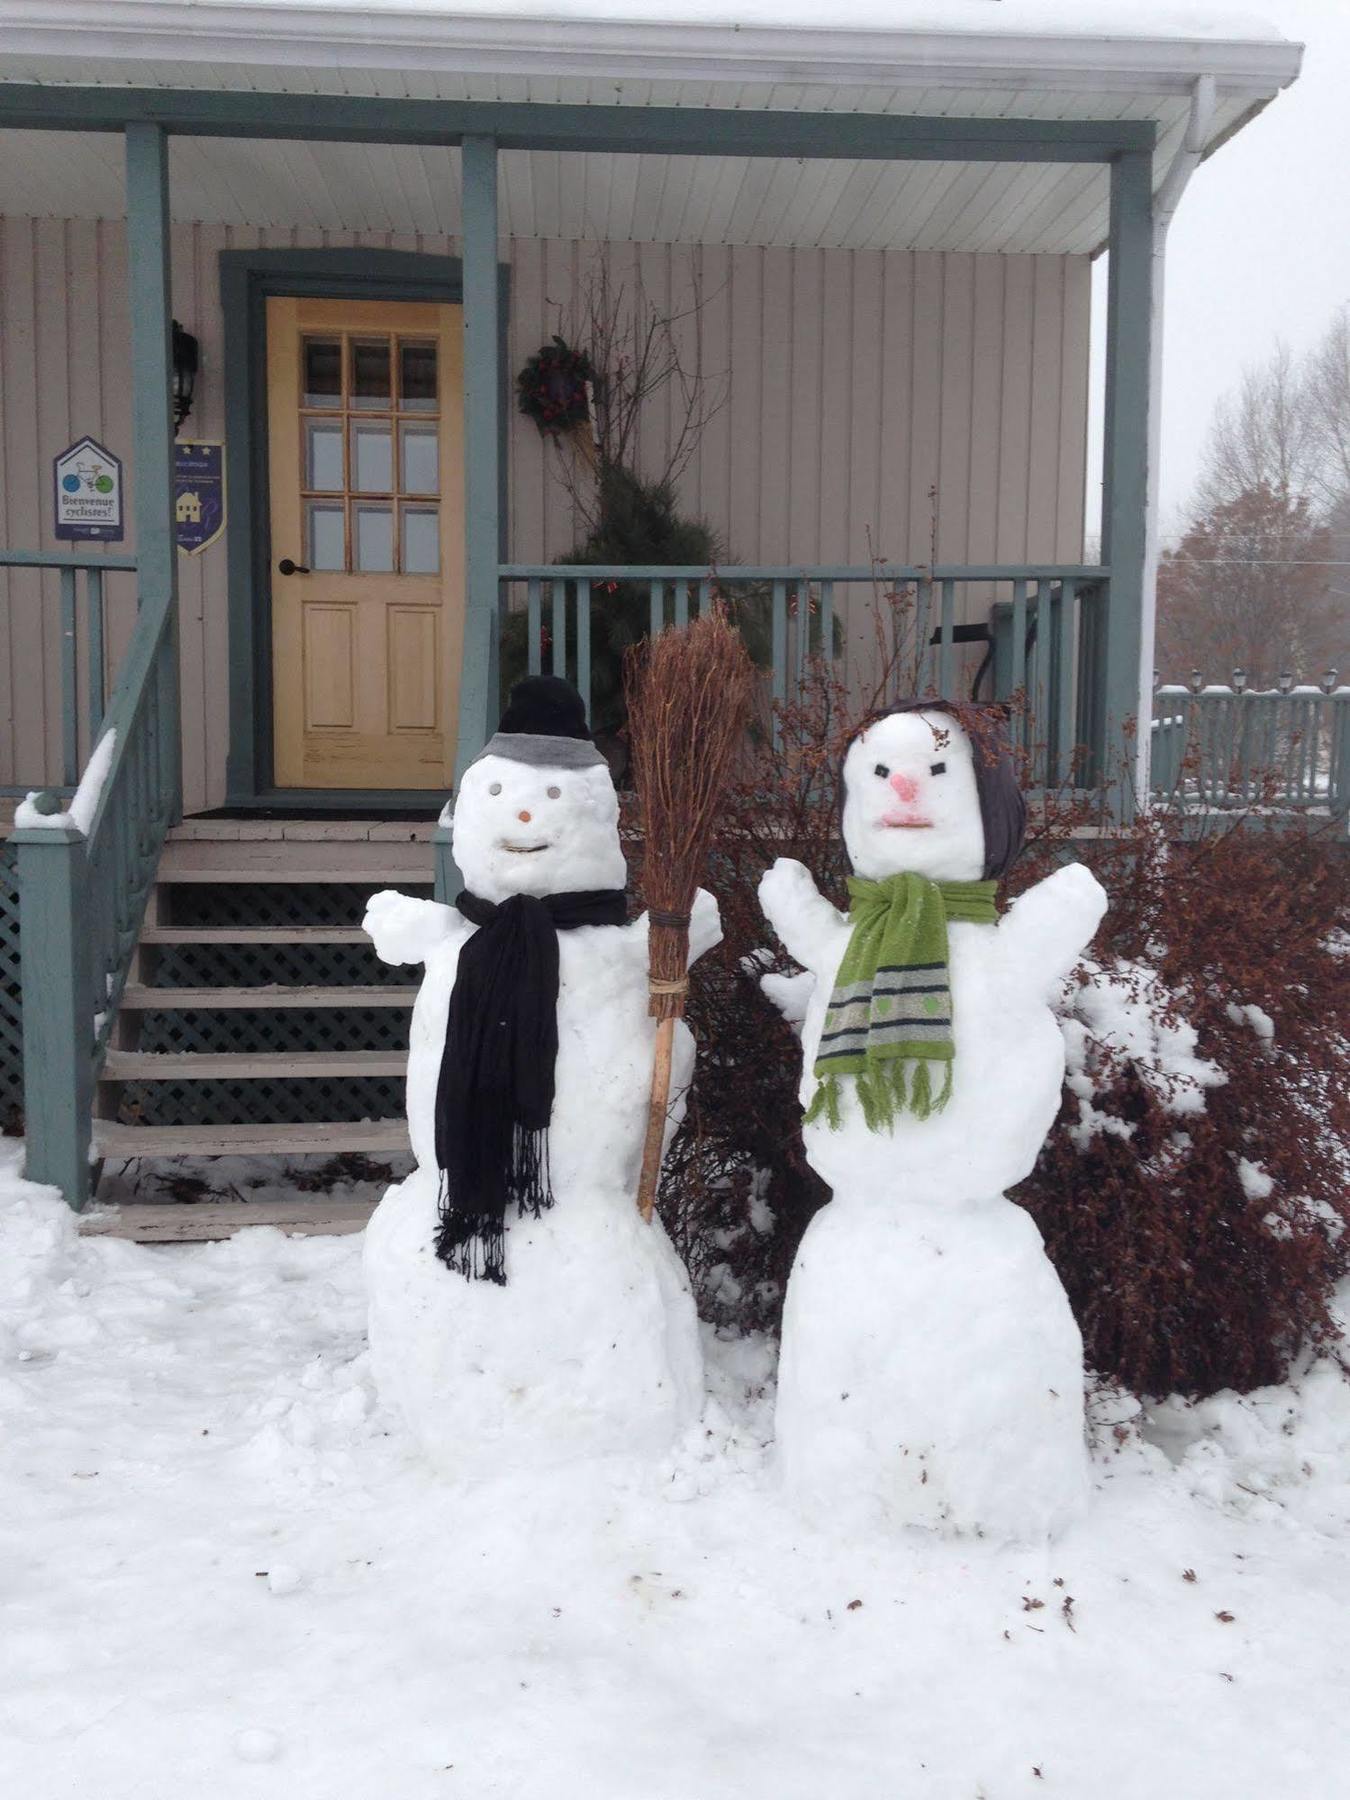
{"points": [[404, 930], [705, 929], [705, 926], [810, 928], [1046, 930]]}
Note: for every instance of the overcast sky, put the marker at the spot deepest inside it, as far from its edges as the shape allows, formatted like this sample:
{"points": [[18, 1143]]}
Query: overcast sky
{"points": [[1260, 247]]}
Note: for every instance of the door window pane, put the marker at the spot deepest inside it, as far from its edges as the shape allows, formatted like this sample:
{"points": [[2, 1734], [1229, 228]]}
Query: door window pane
{"points": [[323, 372], [372, 459], [375, 540], [323, 455], [325, 546], [417, 377], [421, 540], [370, 373], [420, 459]]}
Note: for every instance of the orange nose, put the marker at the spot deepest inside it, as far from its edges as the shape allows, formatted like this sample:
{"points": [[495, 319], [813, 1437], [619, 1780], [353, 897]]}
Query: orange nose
{"points": [[524, 818], [907, 789]]}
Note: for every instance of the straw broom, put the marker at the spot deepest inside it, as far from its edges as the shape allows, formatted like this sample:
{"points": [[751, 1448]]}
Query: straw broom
{"points": [[689, 695]]}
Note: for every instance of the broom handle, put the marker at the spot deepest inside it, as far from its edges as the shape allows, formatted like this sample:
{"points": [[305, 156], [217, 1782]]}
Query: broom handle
{"points": [[656, 1117]]}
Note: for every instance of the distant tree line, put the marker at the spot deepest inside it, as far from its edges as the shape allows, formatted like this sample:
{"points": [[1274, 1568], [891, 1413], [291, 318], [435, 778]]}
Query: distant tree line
{"points": [[1260, 579]]}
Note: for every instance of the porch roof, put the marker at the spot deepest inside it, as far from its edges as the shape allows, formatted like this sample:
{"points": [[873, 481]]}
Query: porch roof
{"points": [[1021, 59]]}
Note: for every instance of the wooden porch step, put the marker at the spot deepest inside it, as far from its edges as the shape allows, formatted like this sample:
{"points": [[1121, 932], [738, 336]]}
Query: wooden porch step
{"points": [[297, 860], [372, 1137], [261, 999], [253, 934], [202, 1221], [236, 1065], [384, 831]]}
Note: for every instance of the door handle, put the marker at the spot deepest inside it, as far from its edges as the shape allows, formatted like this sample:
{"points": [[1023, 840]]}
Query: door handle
{"points": [[287, 567]]}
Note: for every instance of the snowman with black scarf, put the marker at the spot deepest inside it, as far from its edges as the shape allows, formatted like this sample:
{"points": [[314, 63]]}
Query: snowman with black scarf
{"points": [[522, 1313]]}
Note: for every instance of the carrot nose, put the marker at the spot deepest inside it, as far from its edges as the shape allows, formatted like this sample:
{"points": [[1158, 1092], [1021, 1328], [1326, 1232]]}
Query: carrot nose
{"points": [[523, 817], [906, 788]]}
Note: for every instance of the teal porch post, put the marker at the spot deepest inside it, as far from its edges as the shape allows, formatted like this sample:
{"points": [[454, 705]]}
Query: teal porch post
{"points": [[1129, 323], [147, 179], [482, 449], [58, 1030]]}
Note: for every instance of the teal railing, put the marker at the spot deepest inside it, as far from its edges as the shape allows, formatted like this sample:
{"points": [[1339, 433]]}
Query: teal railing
{"points": [[84, 638], [84, 876], [1236, 747], [84, 581], [1024, 630]]}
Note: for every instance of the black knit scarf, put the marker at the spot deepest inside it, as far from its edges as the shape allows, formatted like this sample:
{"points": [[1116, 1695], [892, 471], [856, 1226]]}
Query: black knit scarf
{"points": [[495, 1092]]}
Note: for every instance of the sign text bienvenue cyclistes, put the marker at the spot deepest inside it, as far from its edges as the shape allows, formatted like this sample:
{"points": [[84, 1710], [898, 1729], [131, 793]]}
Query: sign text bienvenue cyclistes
{"points": [[87, 494]]}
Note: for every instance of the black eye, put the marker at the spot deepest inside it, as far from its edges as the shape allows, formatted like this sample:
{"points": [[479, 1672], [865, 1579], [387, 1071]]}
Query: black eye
{"points": [[496, 788], [881, 770], [554, 793], [937, 768]]}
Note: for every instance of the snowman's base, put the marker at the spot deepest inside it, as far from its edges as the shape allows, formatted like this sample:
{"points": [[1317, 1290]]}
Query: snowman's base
{"points": [[590, 1349], [931, 1373]]}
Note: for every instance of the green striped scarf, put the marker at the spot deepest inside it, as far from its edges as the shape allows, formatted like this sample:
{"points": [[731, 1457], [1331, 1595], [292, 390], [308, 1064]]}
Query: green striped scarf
{"points": [[890, 1015]]}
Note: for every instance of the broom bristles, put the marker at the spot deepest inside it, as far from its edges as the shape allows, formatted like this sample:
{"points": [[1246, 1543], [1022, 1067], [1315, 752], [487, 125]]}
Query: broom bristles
{"points": [[689, 696]]}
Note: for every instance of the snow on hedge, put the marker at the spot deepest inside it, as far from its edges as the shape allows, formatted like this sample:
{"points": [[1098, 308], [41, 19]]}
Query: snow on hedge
{"points": [[1120, 1013]]}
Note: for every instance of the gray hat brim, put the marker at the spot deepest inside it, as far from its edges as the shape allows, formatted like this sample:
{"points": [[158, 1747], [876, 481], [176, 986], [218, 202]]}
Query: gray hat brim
{"points": [[541, 751]]}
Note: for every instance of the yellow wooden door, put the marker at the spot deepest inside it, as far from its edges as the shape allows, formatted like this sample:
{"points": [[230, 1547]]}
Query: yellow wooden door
{"points": [[365, 435]]}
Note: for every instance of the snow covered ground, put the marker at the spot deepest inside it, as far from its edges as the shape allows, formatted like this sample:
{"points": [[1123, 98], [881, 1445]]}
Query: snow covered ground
{"points": [[223, 1574]]}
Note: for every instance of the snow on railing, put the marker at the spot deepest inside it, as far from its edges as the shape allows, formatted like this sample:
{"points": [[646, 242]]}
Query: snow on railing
{"points": [[1224, 745]]}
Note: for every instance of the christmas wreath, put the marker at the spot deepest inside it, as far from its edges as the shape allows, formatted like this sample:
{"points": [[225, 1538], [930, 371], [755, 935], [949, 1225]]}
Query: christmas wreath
{"points": [[553, 387]]}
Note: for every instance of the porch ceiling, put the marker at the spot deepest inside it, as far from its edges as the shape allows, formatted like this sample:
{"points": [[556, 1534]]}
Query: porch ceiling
{"points": [[406, 189], [757, 56]]}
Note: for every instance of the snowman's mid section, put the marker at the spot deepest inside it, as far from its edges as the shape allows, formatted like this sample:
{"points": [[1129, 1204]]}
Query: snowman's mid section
{"points": [[521, 1311], [931, 1369]]}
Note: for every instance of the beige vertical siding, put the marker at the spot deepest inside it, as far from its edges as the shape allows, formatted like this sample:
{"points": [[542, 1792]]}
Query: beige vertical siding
{"points": [[880, 403]]}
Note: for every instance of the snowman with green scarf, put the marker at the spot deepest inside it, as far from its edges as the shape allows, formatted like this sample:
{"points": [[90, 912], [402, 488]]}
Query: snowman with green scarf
{"points": [[931, 1372]]}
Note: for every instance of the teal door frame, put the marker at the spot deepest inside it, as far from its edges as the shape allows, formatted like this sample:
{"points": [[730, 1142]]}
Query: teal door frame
{"points": [[248, 279]]}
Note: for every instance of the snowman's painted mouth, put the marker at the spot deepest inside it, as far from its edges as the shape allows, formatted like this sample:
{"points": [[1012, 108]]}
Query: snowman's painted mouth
{"points": [[907, 824], [525, 849]]}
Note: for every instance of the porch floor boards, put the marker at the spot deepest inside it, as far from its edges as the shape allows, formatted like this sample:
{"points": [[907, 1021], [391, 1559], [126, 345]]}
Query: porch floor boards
{"points": [[252, 934], [204, 1221], [261, 999], [236, 1065], [303, 831], [285, 860], [369, 1137]]}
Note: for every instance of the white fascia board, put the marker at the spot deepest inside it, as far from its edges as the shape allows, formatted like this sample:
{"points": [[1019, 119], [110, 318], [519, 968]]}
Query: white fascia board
{"points": [[394, 38]]}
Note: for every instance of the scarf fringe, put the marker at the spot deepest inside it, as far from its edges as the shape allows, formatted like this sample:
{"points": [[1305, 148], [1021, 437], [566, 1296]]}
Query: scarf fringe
{"points": [[473, 1244], [884, 1091]]}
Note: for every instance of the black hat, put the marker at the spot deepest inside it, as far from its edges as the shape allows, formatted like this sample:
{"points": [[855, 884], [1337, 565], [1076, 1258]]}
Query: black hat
{"points": [[545, 724], [547, 706]]}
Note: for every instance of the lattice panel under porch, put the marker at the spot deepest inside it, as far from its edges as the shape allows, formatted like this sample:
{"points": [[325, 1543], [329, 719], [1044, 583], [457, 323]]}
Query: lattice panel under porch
{"points": [[277, 1029], [279, 1102], [275, 903], [11, 995], [288, 965]]}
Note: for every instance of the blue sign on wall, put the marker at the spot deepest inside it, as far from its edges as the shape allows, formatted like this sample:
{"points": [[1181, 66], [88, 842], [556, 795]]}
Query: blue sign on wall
{"points": [[198, 495], [87, 494]]}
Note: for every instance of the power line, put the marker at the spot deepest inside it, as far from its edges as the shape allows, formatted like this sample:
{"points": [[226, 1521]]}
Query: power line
{"points": [[1264, 562]]}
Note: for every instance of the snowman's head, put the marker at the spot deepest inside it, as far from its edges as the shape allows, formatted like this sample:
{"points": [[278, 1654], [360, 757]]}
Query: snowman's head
{"points": [[525, 828], [921, 797], [537, 812]]}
